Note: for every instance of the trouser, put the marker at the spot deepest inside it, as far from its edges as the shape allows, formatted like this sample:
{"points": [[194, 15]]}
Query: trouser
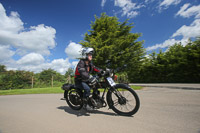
{"points": [[85, 87]]}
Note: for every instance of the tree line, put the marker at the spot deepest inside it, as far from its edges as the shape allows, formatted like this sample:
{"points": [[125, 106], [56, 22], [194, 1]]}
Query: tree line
{"points": [[178, 64], [20, 79]]}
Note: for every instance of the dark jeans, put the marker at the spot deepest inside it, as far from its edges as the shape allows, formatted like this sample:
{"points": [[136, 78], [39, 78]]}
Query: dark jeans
{"points": [[85, 87]]}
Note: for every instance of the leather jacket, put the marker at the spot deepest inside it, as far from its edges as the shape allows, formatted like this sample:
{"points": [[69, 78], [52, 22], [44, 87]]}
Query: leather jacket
{"points": [[82, 74]]}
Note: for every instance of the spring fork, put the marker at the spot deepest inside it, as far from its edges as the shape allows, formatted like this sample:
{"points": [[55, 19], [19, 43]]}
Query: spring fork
{"points": [[116, 92]]}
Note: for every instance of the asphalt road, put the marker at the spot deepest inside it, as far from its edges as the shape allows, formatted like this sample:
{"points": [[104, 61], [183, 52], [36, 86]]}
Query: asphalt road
{"points": [[162, 110], [170, 85]]}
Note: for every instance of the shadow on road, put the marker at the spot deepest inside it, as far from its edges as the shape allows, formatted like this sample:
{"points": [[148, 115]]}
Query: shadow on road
{"points": [[83, 112]]}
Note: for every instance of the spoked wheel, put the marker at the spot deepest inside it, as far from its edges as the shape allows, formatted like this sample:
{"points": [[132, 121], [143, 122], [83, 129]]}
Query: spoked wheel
{"points": [[73, 99], [124, 100]]}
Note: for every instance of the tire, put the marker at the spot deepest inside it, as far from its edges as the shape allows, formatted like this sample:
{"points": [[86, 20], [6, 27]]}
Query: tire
{"points": [[73, 99], [119, 105]]}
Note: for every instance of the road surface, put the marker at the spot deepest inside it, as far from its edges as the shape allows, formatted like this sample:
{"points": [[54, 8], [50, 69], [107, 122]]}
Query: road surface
{"points": [[162, 110], [170, 85]]}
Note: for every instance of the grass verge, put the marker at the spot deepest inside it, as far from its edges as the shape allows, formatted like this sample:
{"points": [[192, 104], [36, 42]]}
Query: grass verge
{"points": [[136, 87], [49, 90], [32, 91]]}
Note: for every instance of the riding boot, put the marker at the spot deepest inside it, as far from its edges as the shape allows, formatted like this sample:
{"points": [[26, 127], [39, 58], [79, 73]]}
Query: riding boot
{"points": [[94, 103], [85, 100], [86, 105]]}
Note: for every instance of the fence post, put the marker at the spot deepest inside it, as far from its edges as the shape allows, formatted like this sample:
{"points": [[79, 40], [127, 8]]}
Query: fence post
{"points": [[32, 83], [69, 79], [52, 81]]}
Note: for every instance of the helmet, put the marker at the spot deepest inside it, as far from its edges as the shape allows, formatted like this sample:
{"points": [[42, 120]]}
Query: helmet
{"points": [[87, 51]]}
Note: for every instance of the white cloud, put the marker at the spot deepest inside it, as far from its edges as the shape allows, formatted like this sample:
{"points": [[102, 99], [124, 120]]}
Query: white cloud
{"points": [[167, 43], [38, 39], [31, 43], [149, 1], [5, 53], [186, 32], [132, 14], [60, 65], [36, 63], [10, 24], [74, 63], [73, 50], [188, 12], [31, 59], [166, 3], [170, 2], [103, 3], [128, 7], [189, 31]]}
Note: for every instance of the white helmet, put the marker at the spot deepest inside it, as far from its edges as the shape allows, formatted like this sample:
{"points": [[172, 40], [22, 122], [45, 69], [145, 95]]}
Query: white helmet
{"points": [[87, 51]]}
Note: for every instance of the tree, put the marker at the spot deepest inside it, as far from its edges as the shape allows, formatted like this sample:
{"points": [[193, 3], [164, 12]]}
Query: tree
{"points": [[114, 44], [69, 72], [193, 60], [48, 76], [2, 68], [178, 64], [16, 80], [69, 75]]}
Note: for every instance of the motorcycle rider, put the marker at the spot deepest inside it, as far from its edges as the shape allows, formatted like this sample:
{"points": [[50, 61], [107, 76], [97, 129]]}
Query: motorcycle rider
{"points": [[83, 75]]}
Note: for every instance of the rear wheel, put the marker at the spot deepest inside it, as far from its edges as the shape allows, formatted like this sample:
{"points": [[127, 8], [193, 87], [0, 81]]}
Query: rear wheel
{"points": [[73, 99], [123, 100]]}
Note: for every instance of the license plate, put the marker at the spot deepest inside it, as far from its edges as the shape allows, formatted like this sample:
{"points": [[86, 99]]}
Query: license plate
{"points": [[111, 81]]}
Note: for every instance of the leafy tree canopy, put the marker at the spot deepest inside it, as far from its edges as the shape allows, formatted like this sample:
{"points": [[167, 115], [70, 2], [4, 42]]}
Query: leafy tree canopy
{"points": [[114, 44]]}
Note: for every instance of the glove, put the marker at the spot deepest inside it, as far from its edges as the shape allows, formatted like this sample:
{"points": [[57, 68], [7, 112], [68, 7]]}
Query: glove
{"points": [[103, 73], [92, 80]]}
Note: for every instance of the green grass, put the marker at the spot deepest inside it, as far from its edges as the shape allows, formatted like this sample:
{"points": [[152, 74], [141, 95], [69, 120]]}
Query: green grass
{"points": [[49, 90], [136, 87], [32, 91]]}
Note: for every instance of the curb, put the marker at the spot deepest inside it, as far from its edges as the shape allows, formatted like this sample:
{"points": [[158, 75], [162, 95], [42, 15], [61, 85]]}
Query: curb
{"points": [[172, 87]]}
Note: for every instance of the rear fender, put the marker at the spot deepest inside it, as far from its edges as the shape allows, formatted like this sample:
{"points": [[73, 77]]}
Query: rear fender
{"points": [[67, 87]]}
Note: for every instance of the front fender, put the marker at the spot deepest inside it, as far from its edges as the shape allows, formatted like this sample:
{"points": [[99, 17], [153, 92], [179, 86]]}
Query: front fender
{"points": [[120, 85]]}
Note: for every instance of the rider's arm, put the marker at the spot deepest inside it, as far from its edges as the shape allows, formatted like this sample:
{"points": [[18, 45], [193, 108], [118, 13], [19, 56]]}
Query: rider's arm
{"points": [[96, 69]]}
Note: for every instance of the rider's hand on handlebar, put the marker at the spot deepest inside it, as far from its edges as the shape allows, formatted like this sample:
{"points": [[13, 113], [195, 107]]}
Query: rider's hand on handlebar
{"points": [[102, 73], [92, 80]]}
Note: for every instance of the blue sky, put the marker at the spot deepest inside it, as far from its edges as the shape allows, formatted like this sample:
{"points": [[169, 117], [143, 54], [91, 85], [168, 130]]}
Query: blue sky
{"points": [[42, 34]]}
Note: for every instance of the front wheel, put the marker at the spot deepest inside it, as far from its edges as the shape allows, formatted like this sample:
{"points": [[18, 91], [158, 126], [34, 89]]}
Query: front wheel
{"points": [[123, 100]]}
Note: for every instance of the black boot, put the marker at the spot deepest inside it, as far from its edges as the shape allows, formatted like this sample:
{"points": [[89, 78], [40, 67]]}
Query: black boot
{"points": [[93, 102], [85, 100], [86, 104]]}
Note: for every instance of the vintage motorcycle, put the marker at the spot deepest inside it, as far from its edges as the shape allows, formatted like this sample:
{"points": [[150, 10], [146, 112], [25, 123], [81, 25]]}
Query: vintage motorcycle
{"points": [[121, 98]]}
